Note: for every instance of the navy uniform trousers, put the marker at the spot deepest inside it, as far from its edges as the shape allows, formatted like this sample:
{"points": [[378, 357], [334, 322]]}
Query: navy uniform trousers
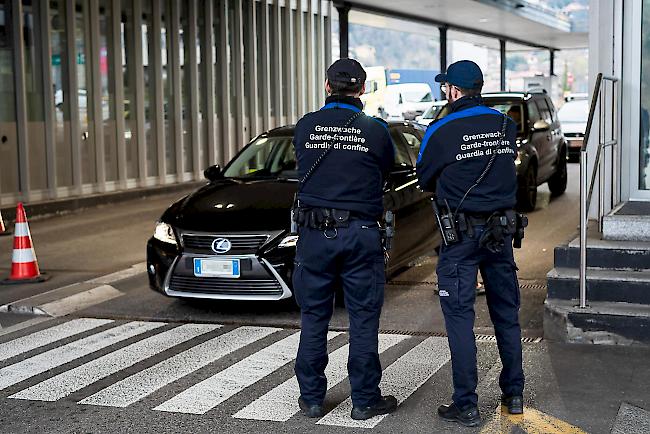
{"points": [[353, 260], [457, 269]]}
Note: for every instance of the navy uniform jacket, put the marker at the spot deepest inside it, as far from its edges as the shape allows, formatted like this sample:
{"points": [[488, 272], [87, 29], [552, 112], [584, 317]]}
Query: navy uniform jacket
{"points": [[455, 151], [351, 176]]}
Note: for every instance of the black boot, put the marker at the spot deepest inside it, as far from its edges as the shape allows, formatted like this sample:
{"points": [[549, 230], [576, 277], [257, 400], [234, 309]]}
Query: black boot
{"points": [[387, 404], [313, 410], [467, 417], [514, 403]]}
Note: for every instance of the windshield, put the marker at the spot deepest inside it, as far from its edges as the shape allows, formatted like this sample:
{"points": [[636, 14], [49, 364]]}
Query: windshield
{"points": [[416, 96], [432, 112], [514, 109], [264, 158], [574, 111]]}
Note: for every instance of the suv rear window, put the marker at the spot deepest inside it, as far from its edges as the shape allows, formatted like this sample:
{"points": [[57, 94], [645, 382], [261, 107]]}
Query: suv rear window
{"points": [[513, 108]]}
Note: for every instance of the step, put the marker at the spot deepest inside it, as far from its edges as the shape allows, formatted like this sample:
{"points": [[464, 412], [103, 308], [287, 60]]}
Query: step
{"points": [[599, 323], [613, 254], [629, 221], [602, 285]]}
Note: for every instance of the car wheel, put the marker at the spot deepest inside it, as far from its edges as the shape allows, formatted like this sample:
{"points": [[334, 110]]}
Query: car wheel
{"points": [[527, 192], [557, 183]]}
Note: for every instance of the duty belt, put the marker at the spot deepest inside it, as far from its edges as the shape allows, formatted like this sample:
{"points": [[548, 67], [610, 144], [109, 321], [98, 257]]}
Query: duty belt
{"points": [[327, 220]]}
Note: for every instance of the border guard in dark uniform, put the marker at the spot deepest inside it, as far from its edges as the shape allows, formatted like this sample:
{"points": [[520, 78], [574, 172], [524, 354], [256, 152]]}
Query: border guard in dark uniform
{"points": [[343, 160], [467, 159]]}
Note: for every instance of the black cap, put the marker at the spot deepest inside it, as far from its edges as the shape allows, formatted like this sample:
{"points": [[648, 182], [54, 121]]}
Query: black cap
{"points": [[465, 74], [346, 71]]}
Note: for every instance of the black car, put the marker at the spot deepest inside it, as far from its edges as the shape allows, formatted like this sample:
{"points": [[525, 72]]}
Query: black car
{"points": [[542, 148], [230, 239]]}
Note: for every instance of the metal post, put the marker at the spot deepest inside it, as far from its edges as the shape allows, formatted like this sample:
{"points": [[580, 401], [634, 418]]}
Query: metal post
{"points": [[502, 48], [583, 228], [443, 48], [155, 62], [552, 62], [344, 28], [208, 41], [193, 89]]}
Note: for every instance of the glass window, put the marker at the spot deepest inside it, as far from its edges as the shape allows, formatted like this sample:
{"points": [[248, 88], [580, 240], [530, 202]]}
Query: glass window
{"points": [[8, 138], [168, 100], [544, 111], [644, 145], [486, 52], [402, 157], [533, 112], [107, 80], [128, 66], [414, 140], [61, 94], [35, 97], [184, 41], [265, 157], [84, 93], [149, 88], [391, 51]]}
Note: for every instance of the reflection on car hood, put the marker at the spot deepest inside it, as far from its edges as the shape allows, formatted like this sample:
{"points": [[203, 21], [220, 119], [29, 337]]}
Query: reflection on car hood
{"points": [[235, 205], [574, 127]]}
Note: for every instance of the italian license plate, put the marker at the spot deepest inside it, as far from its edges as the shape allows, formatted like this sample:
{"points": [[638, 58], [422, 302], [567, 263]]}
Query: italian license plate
{"points": [[217, 268]]}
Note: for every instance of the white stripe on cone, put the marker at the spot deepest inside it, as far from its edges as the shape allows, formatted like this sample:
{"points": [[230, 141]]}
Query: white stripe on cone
{"points": [[23, 256], [21, 230]]}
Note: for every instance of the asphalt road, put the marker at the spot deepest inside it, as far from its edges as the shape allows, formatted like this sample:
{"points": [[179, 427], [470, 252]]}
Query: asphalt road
{"points": [[90, 243], [118, 357]]}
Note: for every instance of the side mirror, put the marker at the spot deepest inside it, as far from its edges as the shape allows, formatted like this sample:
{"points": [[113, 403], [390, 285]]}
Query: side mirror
{"points": [[541, 125], [213, 173]]}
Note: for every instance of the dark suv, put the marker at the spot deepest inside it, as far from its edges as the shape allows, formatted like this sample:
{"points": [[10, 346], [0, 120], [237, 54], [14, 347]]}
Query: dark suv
{"points": [[542, 149]]}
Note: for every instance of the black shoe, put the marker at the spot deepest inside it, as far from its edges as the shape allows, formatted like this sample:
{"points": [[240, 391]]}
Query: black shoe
{"points": [[313, 410], [515, 403], [387, 404], [468, 417]]}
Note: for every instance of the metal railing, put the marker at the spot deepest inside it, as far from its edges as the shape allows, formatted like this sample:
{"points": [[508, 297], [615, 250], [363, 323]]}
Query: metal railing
{"points": [[608, 130]]}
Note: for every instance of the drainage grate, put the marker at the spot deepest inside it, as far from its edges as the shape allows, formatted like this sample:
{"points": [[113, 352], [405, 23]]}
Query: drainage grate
{"points": [[530, 285]]}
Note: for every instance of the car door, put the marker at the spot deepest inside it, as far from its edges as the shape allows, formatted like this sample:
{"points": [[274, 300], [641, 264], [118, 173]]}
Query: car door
{"points": [[415, 229], [398, 196], [545, 147], [556, 135]]}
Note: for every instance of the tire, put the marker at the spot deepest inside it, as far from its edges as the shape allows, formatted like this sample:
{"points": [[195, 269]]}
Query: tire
{"points": [[558, 182], [527, 192]]}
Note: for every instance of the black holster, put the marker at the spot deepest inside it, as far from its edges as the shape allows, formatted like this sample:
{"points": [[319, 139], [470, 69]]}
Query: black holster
{"points": [[499, 226]]}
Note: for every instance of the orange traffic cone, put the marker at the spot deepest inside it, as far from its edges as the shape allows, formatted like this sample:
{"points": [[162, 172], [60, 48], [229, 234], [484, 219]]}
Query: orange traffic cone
{"points": [[3, 228], [24, 267]]}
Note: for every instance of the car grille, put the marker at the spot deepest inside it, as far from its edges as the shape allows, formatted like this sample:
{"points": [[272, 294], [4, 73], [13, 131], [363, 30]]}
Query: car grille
{"points": [[241, 245], [216, 285]]}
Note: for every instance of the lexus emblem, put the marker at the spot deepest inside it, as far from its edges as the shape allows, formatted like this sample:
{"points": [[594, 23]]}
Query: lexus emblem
{"points": [[221, 245]]}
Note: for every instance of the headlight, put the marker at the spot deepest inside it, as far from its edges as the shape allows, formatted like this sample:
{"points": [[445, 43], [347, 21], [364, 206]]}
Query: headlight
{"points": [[289, 241], [164, 233]]}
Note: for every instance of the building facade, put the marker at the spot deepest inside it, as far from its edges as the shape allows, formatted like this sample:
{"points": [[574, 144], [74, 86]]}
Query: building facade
{"points": [[108, 95]]}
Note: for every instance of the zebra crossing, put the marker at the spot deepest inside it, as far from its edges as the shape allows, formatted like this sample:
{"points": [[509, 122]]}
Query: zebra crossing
{"points": [[73, 359]]}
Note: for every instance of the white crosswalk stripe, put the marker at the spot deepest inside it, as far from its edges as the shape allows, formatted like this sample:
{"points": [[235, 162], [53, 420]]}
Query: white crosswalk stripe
{"points": [[144, 383], [281, 403], [75, 379], [209, 393], [43, 362], [45, 337], [400, 379]]}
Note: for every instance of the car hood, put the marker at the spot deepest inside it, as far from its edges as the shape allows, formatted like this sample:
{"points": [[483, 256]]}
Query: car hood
{"points": [[234, 205], [574, 127]]}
